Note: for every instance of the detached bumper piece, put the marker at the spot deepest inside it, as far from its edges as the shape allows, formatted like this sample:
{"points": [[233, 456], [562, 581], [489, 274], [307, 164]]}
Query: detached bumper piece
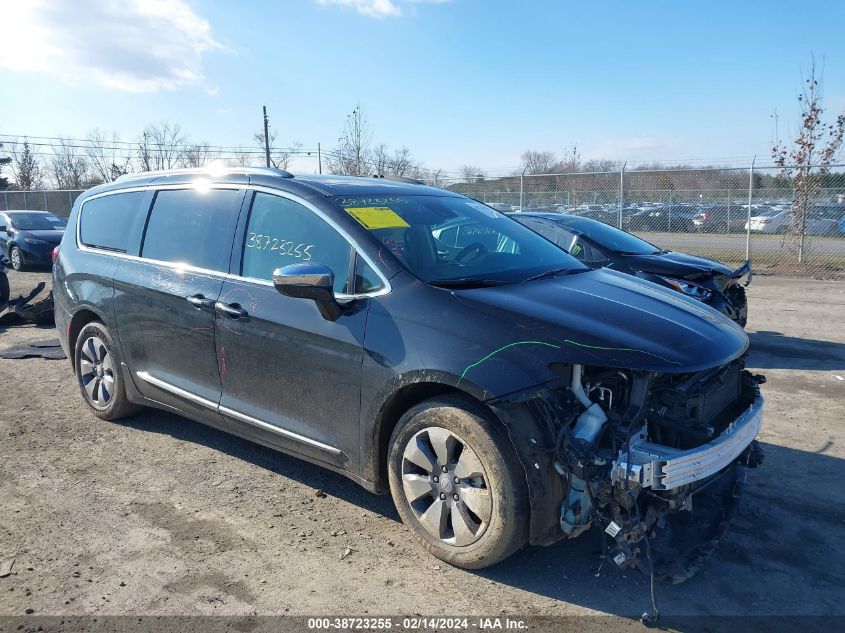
{"points": [[663, 468], [24, 310]]}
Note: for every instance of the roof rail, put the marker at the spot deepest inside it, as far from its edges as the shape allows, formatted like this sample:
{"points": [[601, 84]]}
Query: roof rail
{"points": [[412, 181], [213, 170]]}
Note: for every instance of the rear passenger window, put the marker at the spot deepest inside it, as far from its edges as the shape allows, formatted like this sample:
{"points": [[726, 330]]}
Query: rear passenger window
{"points": [[107, 222], [281, 232], [193, 227]]}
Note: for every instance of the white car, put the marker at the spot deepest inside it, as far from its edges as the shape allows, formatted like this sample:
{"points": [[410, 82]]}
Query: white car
{"points": [[821, 220]]}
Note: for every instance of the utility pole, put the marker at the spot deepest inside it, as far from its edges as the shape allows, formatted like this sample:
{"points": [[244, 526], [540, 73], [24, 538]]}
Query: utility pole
{"points": [[266, 138], [319, 160]]}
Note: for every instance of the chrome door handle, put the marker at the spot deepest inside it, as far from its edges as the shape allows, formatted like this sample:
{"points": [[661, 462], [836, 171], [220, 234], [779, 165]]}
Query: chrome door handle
{"points": [[231, 310], [200, 302]]}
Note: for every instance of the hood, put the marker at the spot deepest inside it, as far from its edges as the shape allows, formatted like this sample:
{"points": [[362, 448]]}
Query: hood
{"points": [[53, 236], [610, 319], [677, 265]]}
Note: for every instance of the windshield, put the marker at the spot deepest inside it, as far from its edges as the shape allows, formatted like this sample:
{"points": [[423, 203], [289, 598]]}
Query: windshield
{"points": [[443, 239], [613, 239], [36, 222]]}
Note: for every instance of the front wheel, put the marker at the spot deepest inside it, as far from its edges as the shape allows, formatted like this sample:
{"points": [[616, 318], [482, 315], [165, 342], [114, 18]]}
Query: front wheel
{"points": [[16, 257], [458, 484]]}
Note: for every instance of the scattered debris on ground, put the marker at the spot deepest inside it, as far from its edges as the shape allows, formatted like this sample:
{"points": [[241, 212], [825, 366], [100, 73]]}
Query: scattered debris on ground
{"points": [[6, 567], [23, 310], [50, 349]]}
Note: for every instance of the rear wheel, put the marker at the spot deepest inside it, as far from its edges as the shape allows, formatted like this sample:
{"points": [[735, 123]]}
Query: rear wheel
{"points": [[458, 484], [97, 365]]}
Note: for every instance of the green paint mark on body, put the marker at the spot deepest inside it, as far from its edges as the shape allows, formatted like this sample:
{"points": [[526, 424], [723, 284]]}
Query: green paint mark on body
{"points": [[501, 349], [620, 349]]}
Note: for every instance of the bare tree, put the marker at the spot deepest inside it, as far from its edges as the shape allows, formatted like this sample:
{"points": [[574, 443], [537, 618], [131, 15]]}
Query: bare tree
{"points": [[68, 166], [380, 160], [471, 173], [280, 157], [807, 159], [352, 156], [161, 146], [538, 162], [570, 162], [106, 159], [198, 155], [401, 164], [25, 166], [241, 157]]}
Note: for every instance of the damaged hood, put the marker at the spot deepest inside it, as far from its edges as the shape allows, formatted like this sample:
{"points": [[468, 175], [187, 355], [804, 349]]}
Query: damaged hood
{"points": [[609, 319], [677, 265]]}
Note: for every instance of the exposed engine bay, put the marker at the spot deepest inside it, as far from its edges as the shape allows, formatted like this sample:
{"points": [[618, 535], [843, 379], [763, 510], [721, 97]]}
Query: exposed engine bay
{"points": [[655, 460]]}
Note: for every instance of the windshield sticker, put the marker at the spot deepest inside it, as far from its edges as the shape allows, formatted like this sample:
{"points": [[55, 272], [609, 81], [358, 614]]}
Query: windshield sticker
{"points": [[377, 217], [488, 211]]}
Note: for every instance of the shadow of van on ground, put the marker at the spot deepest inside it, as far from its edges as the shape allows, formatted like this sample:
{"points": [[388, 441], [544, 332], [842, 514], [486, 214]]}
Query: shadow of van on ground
{"points": [[777, 557], [773, 350]]}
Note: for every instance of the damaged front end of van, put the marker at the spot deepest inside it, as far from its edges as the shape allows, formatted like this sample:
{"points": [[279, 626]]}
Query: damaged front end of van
{"points": [[642, 423]]}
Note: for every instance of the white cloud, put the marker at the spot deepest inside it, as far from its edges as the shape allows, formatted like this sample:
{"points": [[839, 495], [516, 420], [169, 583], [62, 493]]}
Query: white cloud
{"points": [[378, 8], [133, 46]]}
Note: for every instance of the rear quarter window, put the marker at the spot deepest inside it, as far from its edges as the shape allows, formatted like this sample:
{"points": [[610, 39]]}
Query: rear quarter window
{"points": [[107, 222]]}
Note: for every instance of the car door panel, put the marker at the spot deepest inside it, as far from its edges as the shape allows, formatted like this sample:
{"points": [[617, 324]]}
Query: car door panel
{"points": [[286, 366], [167, 340], [164, 301], [285, 370]]}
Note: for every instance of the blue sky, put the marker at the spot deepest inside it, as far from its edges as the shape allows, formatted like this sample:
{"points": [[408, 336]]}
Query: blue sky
{"points": [[460, 81]]}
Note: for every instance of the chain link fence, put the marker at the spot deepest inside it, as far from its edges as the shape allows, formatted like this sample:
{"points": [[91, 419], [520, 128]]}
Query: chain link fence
{"points": [[57, 201], [787, 221]]}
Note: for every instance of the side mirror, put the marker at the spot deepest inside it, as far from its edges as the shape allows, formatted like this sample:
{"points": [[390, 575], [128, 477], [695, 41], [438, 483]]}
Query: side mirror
{"points": [[309, 281]]}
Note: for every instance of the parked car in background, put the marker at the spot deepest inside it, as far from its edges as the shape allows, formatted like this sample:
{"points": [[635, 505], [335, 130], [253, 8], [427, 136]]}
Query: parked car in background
{"points": [[28, 238], [723, 218], [601, 246], [822, 219], [418, 342], [600, 212], [501, 206], [669, 218]]}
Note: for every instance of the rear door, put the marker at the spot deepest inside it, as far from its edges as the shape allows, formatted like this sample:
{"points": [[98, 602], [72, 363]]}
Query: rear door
{"points": [[164, 297], [286, 371]]}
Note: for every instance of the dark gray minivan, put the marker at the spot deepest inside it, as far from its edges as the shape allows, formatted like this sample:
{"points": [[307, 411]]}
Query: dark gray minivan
{"points": [[416, 341]]}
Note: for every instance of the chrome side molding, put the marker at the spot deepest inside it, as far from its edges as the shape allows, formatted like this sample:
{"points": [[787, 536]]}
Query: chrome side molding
{"points": [[237, 415]]}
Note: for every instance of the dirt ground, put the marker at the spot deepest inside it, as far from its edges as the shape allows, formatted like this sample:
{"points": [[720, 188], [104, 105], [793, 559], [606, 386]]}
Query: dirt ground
{"points": [[161, 515]]}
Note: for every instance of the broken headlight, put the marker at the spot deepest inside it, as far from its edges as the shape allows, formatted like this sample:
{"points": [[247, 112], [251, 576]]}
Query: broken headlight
{"points": [[688, 288]]}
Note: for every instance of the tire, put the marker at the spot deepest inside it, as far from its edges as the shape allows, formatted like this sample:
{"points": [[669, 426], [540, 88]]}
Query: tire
{"points": [[96, 363], [490, 527], [4, 288], [16, 258]]}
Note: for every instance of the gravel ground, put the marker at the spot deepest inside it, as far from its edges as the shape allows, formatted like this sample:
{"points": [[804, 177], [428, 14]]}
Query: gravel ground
{"points": [[161, 515]]}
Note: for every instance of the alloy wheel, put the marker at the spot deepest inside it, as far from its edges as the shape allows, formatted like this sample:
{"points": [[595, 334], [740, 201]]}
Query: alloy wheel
{"points": [[16, 259], [96, 372], [445, 486]]}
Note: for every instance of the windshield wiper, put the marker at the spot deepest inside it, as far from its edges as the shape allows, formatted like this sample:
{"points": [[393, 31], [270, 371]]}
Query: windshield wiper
{"points": [[554, 273], [466, 282]]}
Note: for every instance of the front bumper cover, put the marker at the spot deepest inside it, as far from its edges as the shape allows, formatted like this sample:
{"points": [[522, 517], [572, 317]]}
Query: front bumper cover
{"points": [[663, 468]]}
